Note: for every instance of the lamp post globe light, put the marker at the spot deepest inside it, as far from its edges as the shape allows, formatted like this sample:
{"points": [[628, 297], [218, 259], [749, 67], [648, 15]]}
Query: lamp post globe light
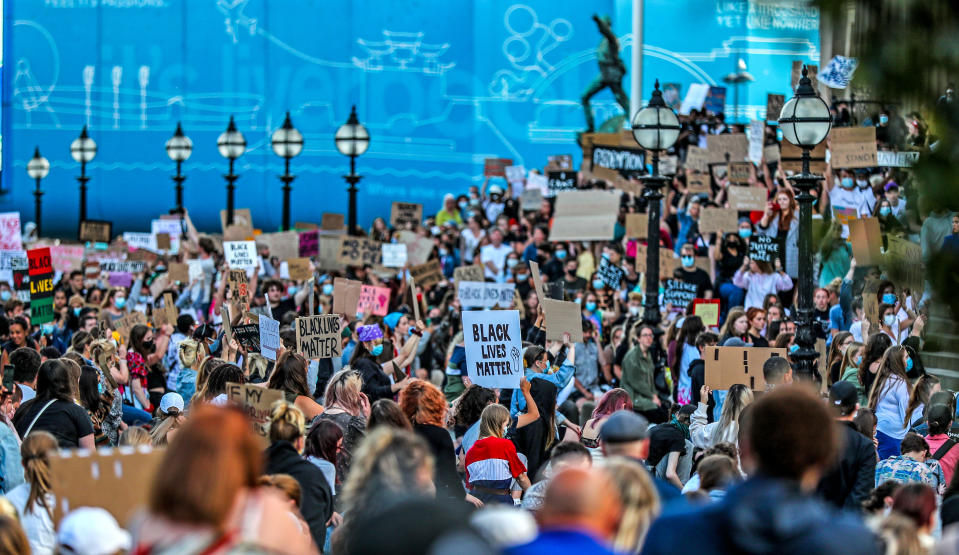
{"points": [[655, 128], [37, 168], [83, 150], [805, 122], [231, 145], [287, 143], [352, 139], [179, 148]]}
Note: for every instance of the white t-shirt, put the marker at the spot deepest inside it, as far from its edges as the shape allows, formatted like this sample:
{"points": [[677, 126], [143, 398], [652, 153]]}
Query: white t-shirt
{"points": [[861, 199], [496, 255], [37, 524]]}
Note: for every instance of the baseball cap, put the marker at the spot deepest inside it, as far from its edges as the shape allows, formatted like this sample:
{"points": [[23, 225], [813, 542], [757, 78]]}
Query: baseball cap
{"points": [[171, 400], [891, 185], [496, 190], [843, 394], [91, 531], [939, 415], [623, 426]]}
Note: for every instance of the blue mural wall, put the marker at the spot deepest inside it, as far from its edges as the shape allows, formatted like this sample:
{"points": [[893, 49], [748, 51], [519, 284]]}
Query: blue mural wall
{"points": [[440, 84]]}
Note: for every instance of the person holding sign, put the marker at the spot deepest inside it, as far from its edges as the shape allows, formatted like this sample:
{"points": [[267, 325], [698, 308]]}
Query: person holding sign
{"points": [[366, 355], [758, 279], [289, 376], [781, 222]]}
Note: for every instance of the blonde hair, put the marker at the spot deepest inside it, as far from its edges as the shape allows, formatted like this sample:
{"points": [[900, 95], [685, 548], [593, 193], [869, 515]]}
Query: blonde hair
{"points": [[344, 389], [188, 352], [134, 436], [492, 420], [257, 365], [102, 352], [286, 422], [35, 456], [159, 434], [640, 503], [285, 484]]}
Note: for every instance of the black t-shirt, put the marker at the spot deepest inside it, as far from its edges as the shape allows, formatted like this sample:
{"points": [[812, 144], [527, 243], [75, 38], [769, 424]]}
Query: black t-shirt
{"points": [[573, 285], [821, 316], [698, 276], [68, 422], [663, 440]]}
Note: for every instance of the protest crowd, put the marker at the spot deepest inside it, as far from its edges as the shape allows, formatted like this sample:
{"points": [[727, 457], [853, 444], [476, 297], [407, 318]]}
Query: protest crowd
{"points": [[476, 376]]}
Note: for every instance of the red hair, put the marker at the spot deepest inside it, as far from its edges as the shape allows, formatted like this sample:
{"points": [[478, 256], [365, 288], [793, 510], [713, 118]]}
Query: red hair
{"points": [[753, 312], [423, 403], [612, 401], [915, 501], [786, 216]]}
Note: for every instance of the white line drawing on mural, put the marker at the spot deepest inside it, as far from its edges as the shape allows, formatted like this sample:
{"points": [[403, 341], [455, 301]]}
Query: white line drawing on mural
{"points": [[529, 62], [117, 77], [774, 47], [402, 50], [88, 73], [143, 77], [233, 10]]}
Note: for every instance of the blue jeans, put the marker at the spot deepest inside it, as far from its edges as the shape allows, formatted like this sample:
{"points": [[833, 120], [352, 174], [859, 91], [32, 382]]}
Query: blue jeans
{"points": [[888, 446], [133, 416], [731, 296]]}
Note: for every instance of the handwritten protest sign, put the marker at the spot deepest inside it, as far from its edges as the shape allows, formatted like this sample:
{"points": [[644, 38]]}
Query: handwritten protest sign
{"points": [[299, 269], [890, 159], [563, 317], [359, 251], [531, 199], [269, 337], [763, 248], [539, 182], [853, 147], [41, 285], [126, 266], [166, 314], [697, 182], [714, 220], [610, 273], [126, 323], [734, 144], [561, 181], [708, 310], [479, 294], [496, 167], [616, 161], [844, 215], [560, 162], [515, 174], [473, 272], [697, 159], [20, 269], [257, 403], [10, 238], [394, 255], [403, 213], [428, 274], [318, 336], [756, 137], [727, 366], [67, 257], [248, 336], [309, 243], [95, 231], [374, 300], [679, 293], [145, 241], [493, 348], [240, 254], [739, 172], [747, 198], [585, 215], [637, 225]]}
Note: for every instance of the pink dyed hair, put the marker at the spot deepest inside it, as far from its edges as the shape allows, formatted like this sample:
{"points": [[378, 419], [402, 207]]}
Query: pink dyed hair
{"points": [[612, 401]]}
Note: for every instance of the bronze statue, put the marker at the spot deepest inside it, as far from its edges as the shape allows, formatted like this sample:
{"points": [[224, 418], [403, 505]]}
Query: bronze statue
{"points": [[611, 71]]}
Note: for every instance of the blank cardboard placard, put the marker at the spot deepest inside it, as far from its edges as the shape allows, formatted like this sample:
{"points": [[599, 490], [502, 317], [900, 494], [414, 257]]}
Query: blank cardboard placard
{"points": [[331, 221], [714, 220], [771, 153], [117, 480], [418, 249], [727, 366], [853, 147], [283, 245], [163, 241], [585, 215], [637, 225], [563, 317], [736, 145], [866, 241], [346, 293], [791, 158], [427, 274], [747, 198], [329, 253], [537, 280], [241, 218], [667, 264]]}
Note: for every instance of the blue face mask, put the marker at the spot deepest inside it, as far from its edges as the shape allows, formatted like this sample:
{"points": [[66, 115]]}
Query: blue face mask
{"points": [[291, 290], [5, 296], [100, 388], [688, 261], [561, 255], [889, 298], [598, 284], [590, 306], [119, 302], [794, 348], [908, 364], [745, 233], [846, 183], [463, 204], [521, 277], [76, 311], [47, 329], [327, 288], [858, 360], [885, 211], [215, 346], [511, 262], [377, 351], [883, 120]]}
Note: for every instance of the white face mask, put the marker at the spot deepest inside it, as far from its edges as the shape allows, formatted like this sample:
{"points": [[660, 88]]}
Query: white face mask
{"points": [[634, 310], [889, 319]]}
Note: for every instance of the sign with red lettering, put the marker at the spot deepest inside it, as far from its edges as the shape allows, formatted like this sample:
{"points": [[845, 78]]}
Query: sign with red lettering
{"points": [[40, 271]]}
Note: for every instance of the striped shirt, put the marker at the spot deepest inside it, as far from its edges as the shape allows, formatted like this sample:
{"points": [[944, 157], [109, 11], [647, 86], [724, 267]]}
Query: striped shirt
{"points": [[492, 463]]}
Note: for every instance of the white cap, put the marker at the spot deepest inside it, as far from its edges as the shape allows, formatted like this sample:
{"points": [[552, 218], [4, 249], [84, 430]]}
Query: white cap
{"points": [[220, 400], [91, 531], [171, 400], [495, 190], [504, 526]]}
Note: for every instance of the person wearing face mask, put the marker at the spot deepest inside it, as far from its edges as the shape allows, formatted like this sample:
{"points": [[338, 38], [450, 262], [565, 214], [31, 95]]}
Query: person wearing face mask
{"points": [[847, 195], [376, 384], [470, 239], [896, 202], [888, 223], [728, 252], [147, 383], [449, 212], [572, 282], [114, 304], [848, 483], [494, 205], [688, 216], [689, 273], [493, 256]]}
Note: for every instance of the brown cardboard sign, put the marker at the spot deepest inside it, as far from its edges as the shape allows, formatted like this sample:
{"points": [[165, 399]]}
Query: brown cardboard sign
{"points": [[496, 167], [331, 221], [241, 218], [418, 248], [739, 172], [427, 274], [853, 147], [473, 272], [791, 158], [346, 293], [359, 251], [697, 182], [257, 403], [747, 198], [727, 366], [667, 264], [585, 215], [697, 159], [774, 106], [95, 231], [715, 220], [771, 153], [163, 241], [283, 245], [734, 144], [537, 280], [305, 226], [117, 480], [318, 336], [866, 241], [180, 272], [637, 225], [125, 324], [403, 213], [299, 269], [560, 162], [167, 314], [563, 317]]}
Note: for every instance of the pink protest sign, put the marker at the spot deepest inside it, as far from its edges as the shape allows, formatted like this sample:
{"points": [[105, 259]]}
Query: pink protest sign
{"points": [[121, 279], [374, 300]]}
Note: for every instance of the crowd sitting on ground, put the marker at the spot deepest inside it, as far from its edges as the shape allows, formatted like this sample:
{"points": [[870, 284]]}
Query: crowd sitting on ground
{"points": [[612, 444]]}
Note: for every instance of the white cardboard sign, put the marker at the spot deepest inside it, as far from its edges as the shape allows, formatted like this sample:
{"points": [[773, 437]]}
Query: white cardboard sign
{"points": [[269, 337], [394, 255], [480, 294], [240, 255], [494, 355]]}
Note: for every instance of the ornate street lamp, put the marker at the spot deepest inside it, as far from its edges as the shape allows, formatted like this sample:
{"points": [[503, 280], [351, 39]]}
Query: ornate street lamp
{"points": [[179, 148], [38, 168], [655, 128], [83, 150], [287, 143], [805, 122], [352, 139], [231, 145]]}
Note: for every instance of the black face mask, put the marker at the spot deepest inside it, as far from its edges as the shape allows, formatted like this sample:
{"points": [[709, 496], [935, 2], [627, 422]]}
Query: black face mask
{"points": [[150, 346]]}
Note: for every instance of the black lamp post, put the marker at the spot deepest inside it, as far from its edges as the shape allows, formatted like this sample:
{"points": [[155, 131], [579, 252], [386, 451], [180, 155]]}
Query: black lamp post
{"points": [[231, 145], [179, 148], [655, 128], [83, 150], [287, 143], [38, 168], [352, 139], [805, 122]]}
